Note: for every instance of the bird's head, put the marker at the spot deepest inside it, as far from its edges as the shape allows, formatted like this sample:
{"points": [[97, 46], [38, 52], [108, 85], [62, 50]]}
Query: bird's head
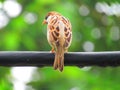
{"points": [[49, 16]]}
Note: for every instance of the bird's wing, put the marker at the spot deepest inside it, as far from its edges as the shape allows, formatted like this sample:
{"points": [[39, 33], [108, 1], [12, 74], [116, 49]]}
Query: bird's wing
{"points": [[68, 32]]}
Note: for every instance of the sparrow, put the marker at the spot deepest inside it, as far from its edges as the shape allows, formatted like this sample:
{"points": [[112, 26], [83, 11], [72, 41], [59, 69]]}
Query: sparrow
{"points": [[59, 36]]}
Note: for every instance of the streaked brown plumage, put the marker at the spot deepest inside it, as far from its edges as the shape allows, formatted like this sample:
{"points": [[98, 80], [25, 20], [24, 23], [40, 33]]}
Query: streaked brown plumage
{"points": [[59, 35]]}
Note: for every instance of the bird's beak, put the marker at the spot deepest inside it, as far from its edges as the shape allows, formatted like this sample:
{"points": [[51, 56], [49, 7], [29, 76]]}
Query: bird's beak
{"points": [[44, 22]]}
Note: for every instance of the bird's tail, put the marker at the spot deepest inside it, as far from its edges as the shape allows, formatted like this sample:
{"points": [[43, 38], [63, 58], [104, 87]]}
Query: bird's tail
{"points": [[59, 59]]}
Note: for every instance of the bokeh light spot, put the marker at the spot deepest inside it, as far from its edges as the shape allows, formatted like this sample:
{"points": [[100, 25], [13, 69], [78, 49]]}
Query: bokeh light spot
{"points": [[86, 68], [83, 10], [75, 88], [21, 75], [89, 21], [30, 18], [106, 20], [12, 8], [115, 33], [3, 19], [113, 9], [88, 46], [96, 33]]}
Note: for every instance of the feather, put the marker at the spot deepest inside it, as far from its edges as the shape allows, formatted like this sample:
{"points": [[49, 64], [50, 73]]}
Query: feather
{"points": [[59, 58]]}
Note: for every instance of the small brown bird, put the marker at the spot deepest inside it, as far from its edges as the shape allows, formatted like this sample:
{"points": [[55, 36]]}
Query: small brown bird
{"points": [[59, 35]]}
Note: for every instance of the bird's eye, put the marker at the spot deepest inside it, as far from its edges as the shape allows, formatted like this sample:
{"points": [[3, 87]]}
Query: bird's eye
{"points": [[46, 17]]}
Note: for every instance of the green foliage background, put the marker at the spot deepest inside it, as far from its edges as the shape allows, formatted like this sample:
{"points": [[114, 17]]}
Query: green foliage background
{"points": [[19, 35]]}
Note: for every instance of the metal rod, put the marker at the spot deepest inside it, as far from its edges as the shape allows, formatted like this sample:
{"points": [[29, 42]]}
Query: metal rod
{"points": [[38, 58]]}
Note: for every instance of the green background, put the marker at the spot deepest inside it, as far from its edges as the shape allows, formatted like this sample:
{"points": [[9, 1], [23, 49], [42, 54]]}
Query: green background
{"points": [[92, 31]]}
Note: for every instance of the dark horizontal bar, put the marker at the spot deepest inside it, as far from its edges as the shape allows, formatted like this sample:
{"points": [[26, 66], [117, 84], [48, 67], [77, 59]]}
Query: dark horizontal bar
{"points": [[36, 58]]}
